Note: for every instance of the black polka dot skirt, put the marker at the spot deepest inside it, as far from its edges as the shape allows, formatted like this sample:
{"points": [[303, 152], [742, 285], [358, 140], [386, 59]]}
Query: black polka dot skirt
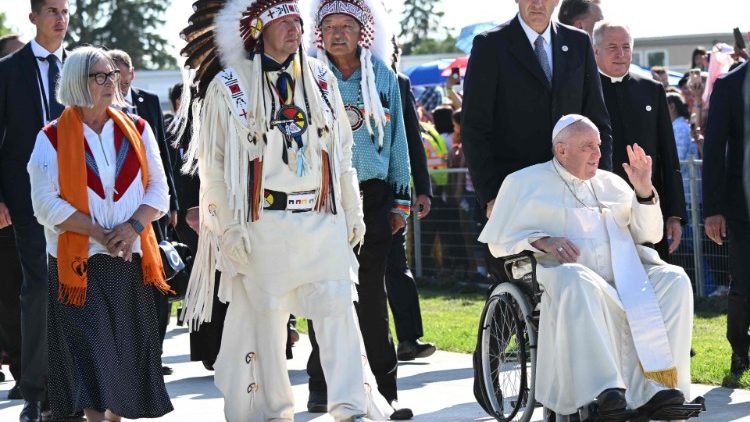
{"points": [[106, 354]]}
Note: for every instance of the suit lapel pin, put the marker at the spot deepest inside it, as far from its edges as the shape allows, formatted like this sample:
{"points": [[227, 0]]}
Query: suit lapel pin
{"points": [[140, 99], [564, 48], [648, 108]]}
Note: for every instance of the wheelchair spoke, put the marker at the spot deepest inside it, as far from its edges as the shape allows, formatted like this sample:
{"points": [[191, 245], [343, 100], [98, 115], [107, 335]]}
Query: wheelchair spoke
{"points": [[508, 355]]}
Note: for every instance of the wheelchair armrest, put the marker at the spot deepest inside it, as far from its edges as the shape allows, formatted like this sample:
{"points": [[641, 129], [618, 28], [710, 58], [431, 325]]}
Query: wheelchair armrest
{"points": [[520, 266], [520, 269]]}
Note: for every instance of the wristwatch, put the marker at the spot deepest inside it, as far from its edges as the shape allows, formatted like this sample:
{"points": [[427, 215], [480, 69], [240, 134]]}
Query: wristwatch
{"points": [[137, 226], [648, 200]]}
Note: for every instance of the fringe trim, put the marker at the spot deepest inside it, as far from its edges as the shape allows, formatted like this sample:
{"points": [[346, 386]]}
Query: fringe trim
{"points": [[107, 214], [665, 377], [198, 302], [153, 275], [71, 295]]}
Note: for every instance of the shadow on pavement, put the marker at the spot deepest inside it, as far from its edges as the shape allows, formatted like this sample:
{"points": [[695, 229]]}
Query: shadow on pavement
{"points": [[719, 402], [201, 388], [171, 360], [424, 378]]}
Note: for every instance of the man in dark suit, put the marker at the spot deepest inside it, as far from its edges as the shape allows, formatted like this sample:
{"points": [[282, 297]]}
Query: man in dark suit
{"points": [[521, 78], [146, 105], [27, 102], [582, 14], [639, 114], [724, 203], [403, 297], [10, 286]]}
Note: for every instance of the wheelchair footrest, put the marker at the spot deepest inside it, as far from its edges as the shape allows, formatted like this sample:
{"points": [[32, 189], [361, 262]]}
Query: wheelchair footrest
{"points": [[676, 412], [683, 411], [591, 413]]}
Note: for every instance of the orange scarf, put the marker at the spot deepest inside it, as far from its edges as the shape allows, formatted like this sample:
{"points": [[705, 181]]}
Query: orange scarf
{"points": [[72, 248]]}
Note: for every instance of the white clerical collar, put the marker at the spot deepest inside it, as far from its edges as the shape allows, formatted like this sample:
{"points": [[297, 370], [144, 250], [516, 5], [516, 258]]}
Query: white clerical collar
{"points": [[40, 51], [565, 174], [533, 35], [614, 79]]}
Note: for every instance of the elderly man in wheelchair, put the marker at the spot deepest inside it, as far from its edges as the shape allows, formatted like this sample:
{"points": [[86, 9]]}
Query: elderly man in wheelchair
{"points": [[614, 321]]}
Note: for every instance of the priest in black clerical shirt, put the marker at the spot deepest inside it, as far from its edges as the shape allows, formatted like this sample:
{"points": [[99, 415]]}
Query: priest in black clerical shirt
{"points": [[639, 114]]}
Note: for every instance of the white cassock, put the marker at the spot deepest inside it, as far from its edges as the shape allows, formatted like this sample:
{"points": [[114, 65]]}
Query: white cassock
{"points": [[585, 343], [297, 262]]}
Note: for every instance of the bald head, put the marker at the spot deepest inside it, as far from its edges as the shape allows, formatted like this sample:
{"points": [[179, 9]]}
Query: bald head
{"points": [[576, 147]]}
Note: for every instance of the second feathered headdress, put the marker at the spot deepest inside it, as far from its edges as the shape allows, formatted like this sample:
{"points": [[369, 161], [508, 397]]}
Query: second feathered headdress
{"points": [[375, 41]]}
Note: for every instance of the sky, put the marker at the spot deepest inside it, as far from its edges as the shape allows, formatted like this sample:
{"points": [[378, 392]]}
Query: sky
{"points": [[647, 18]]}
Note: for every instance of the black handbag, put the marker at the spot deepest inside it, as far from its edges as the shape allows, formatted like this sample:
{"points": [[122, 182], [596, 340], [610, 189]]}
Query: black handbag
{"points": [[178, 261]]}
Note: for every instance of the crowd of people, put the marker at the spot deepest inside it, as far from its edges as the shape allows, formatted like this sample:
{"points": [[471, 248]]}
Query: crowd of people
{"points": [[290, 171]]}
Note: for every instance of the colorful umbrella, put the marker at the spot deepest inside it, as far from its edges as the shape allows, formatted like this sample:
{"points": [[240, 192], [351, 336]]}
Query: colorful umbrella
{"points": [[466, 38], [428, 73], [460, 63]]}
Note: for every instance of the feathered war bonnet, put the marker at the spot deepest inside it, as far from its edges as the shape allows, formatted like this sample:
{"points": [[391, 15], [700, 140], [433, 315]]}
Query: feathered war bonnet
{"points": [[375, 40], [221, 34]]}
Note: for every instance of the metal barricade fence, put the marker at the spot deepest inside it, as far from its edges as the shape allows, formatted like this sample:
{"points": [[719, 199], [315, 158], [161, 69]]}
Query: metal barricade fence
{"points": [[444, 244]]}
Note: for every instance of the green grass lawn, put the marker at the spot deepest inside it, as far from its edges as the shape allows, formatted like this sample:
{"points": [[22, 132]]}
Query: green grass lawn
{"points": [[450, 321]]}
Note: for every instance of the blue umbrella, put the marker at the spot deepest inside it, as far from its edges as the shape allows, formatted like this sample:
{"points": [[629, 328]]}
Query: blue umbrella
{"points": [[428, 73], [466, 38]]}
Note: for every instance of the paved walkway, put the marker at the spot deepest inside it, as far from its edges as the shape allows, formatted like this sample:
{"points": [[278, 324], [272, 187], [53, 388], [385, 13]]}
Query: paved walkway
{"points": [[437, 389]]}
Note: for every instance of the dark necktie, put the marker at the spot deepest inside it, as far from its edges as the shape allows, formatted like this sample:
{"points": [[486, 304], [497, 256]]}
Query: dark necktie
{"points": [[285, 86], [55, 108], [541, 55]]}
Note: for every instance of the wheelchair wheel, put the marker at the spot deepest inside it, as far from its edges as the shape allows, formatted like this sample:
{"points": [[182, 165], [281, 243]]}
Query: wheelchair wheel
{"points": [[508, 354]]}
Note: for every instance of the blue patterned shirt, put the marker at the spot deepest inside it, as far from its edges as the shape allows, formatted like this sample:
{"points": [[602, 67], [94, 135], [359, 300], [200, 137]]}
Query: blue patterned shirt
{"points": [[686, 150], [392, 163]]}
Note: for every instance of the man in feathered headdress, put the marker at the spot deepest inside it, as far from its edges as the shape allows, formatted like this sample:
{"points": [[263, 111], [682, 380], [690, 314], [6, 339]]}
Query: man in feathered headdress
{"points": [[352, 38], [279, 208]]}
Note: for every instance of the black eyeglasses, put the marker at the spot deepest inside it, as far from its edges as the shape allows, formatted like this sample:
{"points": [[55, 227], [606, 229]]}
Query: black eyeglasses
{"points": [[101, 77]]}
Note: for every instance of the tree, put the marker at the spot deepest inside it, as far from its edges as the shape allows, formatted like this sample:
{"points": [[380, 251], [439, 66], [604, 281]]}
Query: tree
{"points": [[130, 25], [419, 20], [4, 28], [433, 46]]}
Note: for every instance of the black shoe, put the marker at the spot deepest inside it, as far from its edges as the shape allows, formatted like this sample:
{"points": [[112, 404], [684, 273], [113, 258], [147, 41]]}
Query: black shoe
{"points": [[75, 417], [739, 365], [208, 364], [411, 349], [166, 370], [317, 402], [400, 413], [15, 393], [611, 400], [668, 397], [32, 412]]}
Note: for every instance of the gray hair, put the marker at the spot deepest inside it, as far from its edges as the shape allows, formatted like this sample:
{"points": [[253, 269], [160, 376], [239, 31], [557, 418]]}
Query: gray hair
{"points": [[121, 58], [73, 86], [602, 26]]}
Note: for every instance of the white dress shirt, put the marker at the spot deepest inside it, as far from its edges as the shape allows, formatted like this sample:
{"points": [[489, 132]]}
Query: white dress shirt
{"points": [[131, 108], [43, 65], [533, 35], [51, 210]]}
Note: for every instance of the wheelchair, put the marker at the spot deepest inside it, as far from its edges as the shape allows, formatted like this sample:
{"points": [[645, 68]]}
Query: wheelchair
{"points": [[506, 353]]}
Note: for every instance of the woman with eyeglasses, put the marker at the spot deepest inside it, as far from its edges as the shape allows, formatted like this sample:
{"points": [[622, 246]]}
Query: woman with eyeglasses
{"points": [[97, 183]]}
